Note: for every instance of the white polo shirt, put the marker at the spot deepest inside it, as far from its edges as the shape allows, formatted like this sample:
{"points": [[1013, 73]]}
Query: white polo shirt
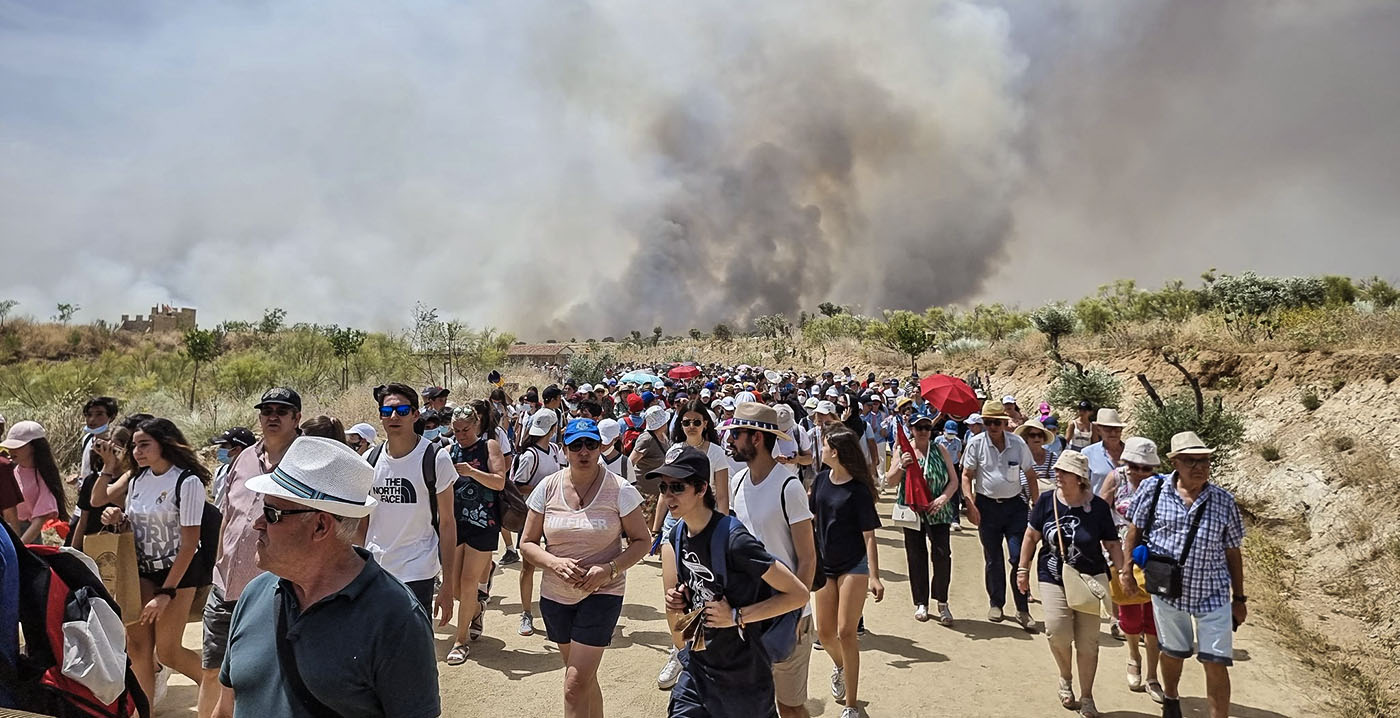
{"points": [[998, 472]]}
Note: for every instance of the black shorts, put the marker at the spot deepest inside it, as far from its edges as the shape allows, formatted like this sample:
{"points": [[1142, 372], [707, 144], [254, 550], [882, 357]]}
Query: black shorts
{"points": [[190, 580], [486, 540], [590, 621]]}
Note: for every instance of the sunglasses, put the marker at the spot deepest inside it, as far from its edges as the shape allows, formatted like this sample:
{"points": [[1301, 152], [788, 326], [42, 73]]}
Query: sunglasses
{"points": [[275, 515], [672, 487], [1141, 468], [401, 409], [585, 444], [275, 411], [994, 422], [698, 423], [922, 427], [1199, 462]]}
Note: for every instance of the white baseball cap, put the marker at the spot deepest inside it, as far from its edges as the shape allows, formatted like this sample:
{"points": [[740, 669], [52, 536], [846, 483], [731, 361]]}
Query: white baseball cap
{"points": [[826, 407], [586, 389], [973, 419], [1008, 399], [22, 433], [364, 431], [542, 421], [727, 403], [833, 392]]}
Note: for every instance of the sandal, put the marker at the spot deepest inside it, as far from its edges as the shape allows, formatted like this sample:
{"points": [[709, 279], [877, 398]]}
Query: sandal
{"points": [[1154, 691], [1087, 709], [458, 655], [1135, 677], [1067, 696]]}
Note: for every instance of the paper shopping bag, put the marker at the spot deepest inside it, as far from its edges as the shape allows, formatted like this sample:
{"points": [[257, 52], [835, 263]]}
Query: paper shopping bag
{"points": [[115, 555]]}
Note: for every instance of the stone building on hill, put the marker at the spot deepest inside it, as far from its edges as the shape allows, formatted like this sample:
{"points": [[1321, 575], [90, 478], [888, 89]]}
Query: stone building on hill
{"points": [[163, 318]]}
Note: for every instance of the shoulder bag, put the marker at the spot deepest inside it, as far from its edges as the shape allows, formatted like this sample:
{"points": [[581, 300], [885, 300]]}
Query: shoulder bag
{"points": [[1083, 592], [1162, 574]]}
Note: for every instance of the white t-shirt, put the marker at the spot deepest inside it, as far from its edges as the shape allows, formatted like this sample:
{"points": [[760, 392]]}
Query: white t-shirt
{"points": [[150, 505], [504, 440], [719, 461], [800, 441], [617, 467], [760, 509], [401, 533], [531, 466]]}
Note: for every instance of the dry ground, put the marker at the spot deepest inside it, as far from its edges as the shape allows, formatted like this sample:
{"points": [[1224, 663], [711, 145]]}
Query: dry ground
{"points": [[975, 668]]}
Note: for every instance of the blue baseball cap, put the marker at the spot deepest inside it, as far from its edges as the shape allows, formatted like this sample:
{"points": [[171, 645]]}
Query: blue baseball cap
{"points": [[648, 396], [581, 429], [950, 427]]}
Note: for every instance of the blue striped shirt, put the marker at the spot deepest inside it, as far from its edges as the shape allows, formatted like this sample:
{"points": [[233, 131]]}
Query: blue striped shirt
{"points": [[1205, 577]]}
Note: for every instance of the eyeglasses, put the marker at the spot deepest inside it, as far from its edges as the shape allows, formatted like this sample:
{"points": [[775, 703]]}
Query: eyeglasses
{"points": [[585, 444], [1197, 462], [1141, 468], [698, 423], [276, 411], [672, 487], [400, 409], [275, 515], [994, 422]]}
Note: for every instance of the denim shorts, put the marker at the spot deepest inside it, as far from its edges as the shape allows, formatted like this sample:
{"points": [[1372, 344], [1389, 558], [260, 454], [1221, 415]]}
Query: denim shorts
{"points": [[862, 568], [1214, 633], [590, 621]]}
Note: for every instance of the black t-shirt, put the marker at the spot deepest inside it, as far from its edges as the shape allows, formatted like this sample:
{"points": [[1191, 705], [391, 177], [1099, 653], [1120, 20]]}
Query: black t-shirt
{"points": [[1089, 528], [843, 513], [746, 562], [473, 503]]}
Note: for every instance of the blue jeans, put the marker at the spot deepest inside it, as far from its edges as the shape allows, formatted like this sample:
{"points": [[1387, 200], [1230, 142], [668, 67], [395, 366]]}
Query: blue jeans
{"points": [[1002, 522]]}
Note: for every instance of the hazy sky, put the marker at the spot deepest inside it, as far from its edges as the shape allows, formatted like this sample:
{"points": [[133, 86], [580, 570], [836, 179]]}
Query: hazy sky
{"points": [[573, 168]]}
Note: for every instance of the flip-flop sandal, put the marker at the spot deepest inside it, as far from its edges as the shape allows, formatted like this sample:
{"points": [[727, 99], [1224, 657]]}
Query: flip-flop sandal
{"points": [[1067, 700], [1135, 683], [458, 655]]}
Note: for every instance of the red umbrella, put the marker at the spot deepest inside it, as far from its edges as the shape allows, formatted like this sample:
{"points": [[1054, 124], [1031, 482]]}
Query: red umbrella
{"points": [[949, 394], [684, 372]]}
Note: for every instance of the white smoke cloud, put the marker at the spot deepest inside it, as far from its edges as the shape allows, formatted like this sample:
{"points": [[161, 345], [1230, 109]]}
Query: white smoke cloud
{"points": [[578, 169]]}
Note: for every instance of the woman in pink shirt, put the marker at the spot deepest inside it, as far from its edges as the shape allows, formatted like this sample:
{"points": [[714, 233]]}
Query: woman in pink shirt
{"points": [[38, 479], [583, 512]]}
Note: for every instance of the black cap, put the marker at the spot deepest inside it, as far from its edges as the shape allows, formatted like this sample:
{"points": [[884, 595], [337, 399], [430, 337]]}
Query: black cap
{"points": [[1086, 405], [237, 435], [683, 461], [434, 392], [280, 395]]}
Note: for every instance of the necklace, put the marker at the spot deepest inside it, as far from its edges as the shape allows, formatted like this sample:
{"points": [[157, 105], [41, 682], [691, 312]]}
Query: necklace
{"points": [[596, 480]]}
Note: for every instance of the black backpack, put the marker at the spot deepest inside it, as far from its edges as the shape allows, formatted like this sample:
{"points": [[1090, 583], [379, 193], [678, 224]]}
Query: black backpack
{"points": [[209, 526], [429, 474]]}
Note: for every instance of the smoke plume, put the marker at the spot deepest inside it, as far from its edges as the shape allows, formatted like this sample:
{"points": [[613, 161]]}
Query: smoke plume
{"points": [[575, 169]]}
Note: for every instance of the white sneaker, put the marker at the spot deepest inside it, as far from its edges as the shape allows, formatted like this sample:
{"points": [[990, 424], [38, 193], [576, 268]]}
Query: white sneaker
{"points": [[162, 685], [849, 712], [945, 616], [527, 624], [838, 684], [671, 672], [921, 613], [1025, 620]]}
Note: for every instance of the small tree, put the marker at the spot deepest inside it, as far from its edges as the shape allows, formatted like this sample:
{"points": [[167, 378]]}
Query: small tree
{"points": [[6, 307], [696, 334], [1073, 384], [1054, 321], [905, 332], [656, 335], [273, 320], [345, 342], [723, 333], [830, 310], [201, 346], [66, 312], [1159, 419], [636, 336]]}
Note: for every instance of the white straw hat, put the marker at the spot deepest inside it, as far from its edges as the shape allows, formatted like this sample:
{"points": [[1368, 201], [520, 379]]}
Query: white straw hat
{"points": [[1187, 443], [1109, 418], [322, 474], [1140, 450]]}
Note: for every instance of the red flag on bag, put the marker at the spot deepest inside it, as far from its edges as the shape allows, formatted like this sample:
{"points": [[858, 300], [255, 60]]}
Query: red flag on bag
{"points": [[916, 493]]}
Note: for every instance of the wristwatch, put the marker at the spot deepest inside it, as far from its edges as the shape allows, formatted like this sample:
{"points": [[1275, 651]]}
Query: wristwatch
{"points": [[612, 570], [1241, 599]]}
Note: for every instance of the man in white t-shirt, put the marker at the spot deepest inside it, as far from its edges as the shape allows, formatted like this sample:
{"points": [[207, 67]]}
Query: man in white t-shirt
{"points": [[400, 531], [769, 499]]}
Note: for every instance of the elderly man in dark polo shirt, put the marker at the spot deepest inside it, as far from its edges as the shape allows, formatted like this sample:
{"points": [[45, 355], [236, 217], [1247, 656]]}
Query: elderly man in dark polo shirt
{"points": [[325, 631]]}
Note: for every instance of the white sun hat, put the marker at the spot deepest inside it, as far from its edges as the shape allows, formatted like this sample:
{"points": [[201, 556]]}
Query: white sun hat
{"points": [[542, 421], [322, 474], [655, 418]]}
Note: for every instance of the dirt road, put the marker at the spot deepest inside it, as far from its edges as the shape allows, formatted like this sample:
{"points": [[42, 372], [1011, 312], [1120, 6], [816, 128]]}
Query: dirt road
{"points": [[975, 668]]}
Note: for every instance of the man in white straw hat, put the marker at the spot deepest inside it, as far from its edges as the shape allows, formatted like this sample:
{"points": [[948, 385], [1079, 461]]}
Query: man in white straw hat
{"points": [[994, 463], [326, 631], [1107, 454], [771, 502], [1194, 526]]}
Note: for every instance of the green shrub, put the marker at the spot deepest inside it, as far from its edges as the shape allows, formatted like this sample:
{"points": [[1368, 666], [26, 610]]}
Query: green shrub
{"points": [[1219, 426], [589, 368], [1343, 443], [1054, 321], [1311, 402], [1096, 385], [1269, 452]]}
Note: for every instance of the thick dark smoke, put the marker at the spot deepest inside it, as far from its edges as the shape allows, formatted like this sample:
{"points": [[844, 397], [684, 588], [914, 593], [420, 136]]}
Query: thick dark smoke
{"points": [[587, 168]]}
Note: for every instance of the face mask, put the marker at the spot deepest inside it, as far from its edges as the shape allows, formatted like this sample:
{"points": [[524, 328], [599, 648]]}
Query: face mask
{"points": [[94, 432], [223, 456], [431, 434]]}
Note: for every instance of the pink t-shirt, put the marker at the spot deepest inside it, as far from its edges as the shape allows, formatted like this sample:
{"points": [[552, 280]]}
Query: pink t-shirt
{"points": [[237, 563], [591, 535], [38, 500]]}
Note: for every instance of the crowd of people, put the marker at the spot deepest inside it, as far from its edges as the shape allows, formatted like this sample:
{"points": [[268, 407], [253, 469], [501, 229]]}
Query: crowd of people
{"points": [[757, 489]]}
